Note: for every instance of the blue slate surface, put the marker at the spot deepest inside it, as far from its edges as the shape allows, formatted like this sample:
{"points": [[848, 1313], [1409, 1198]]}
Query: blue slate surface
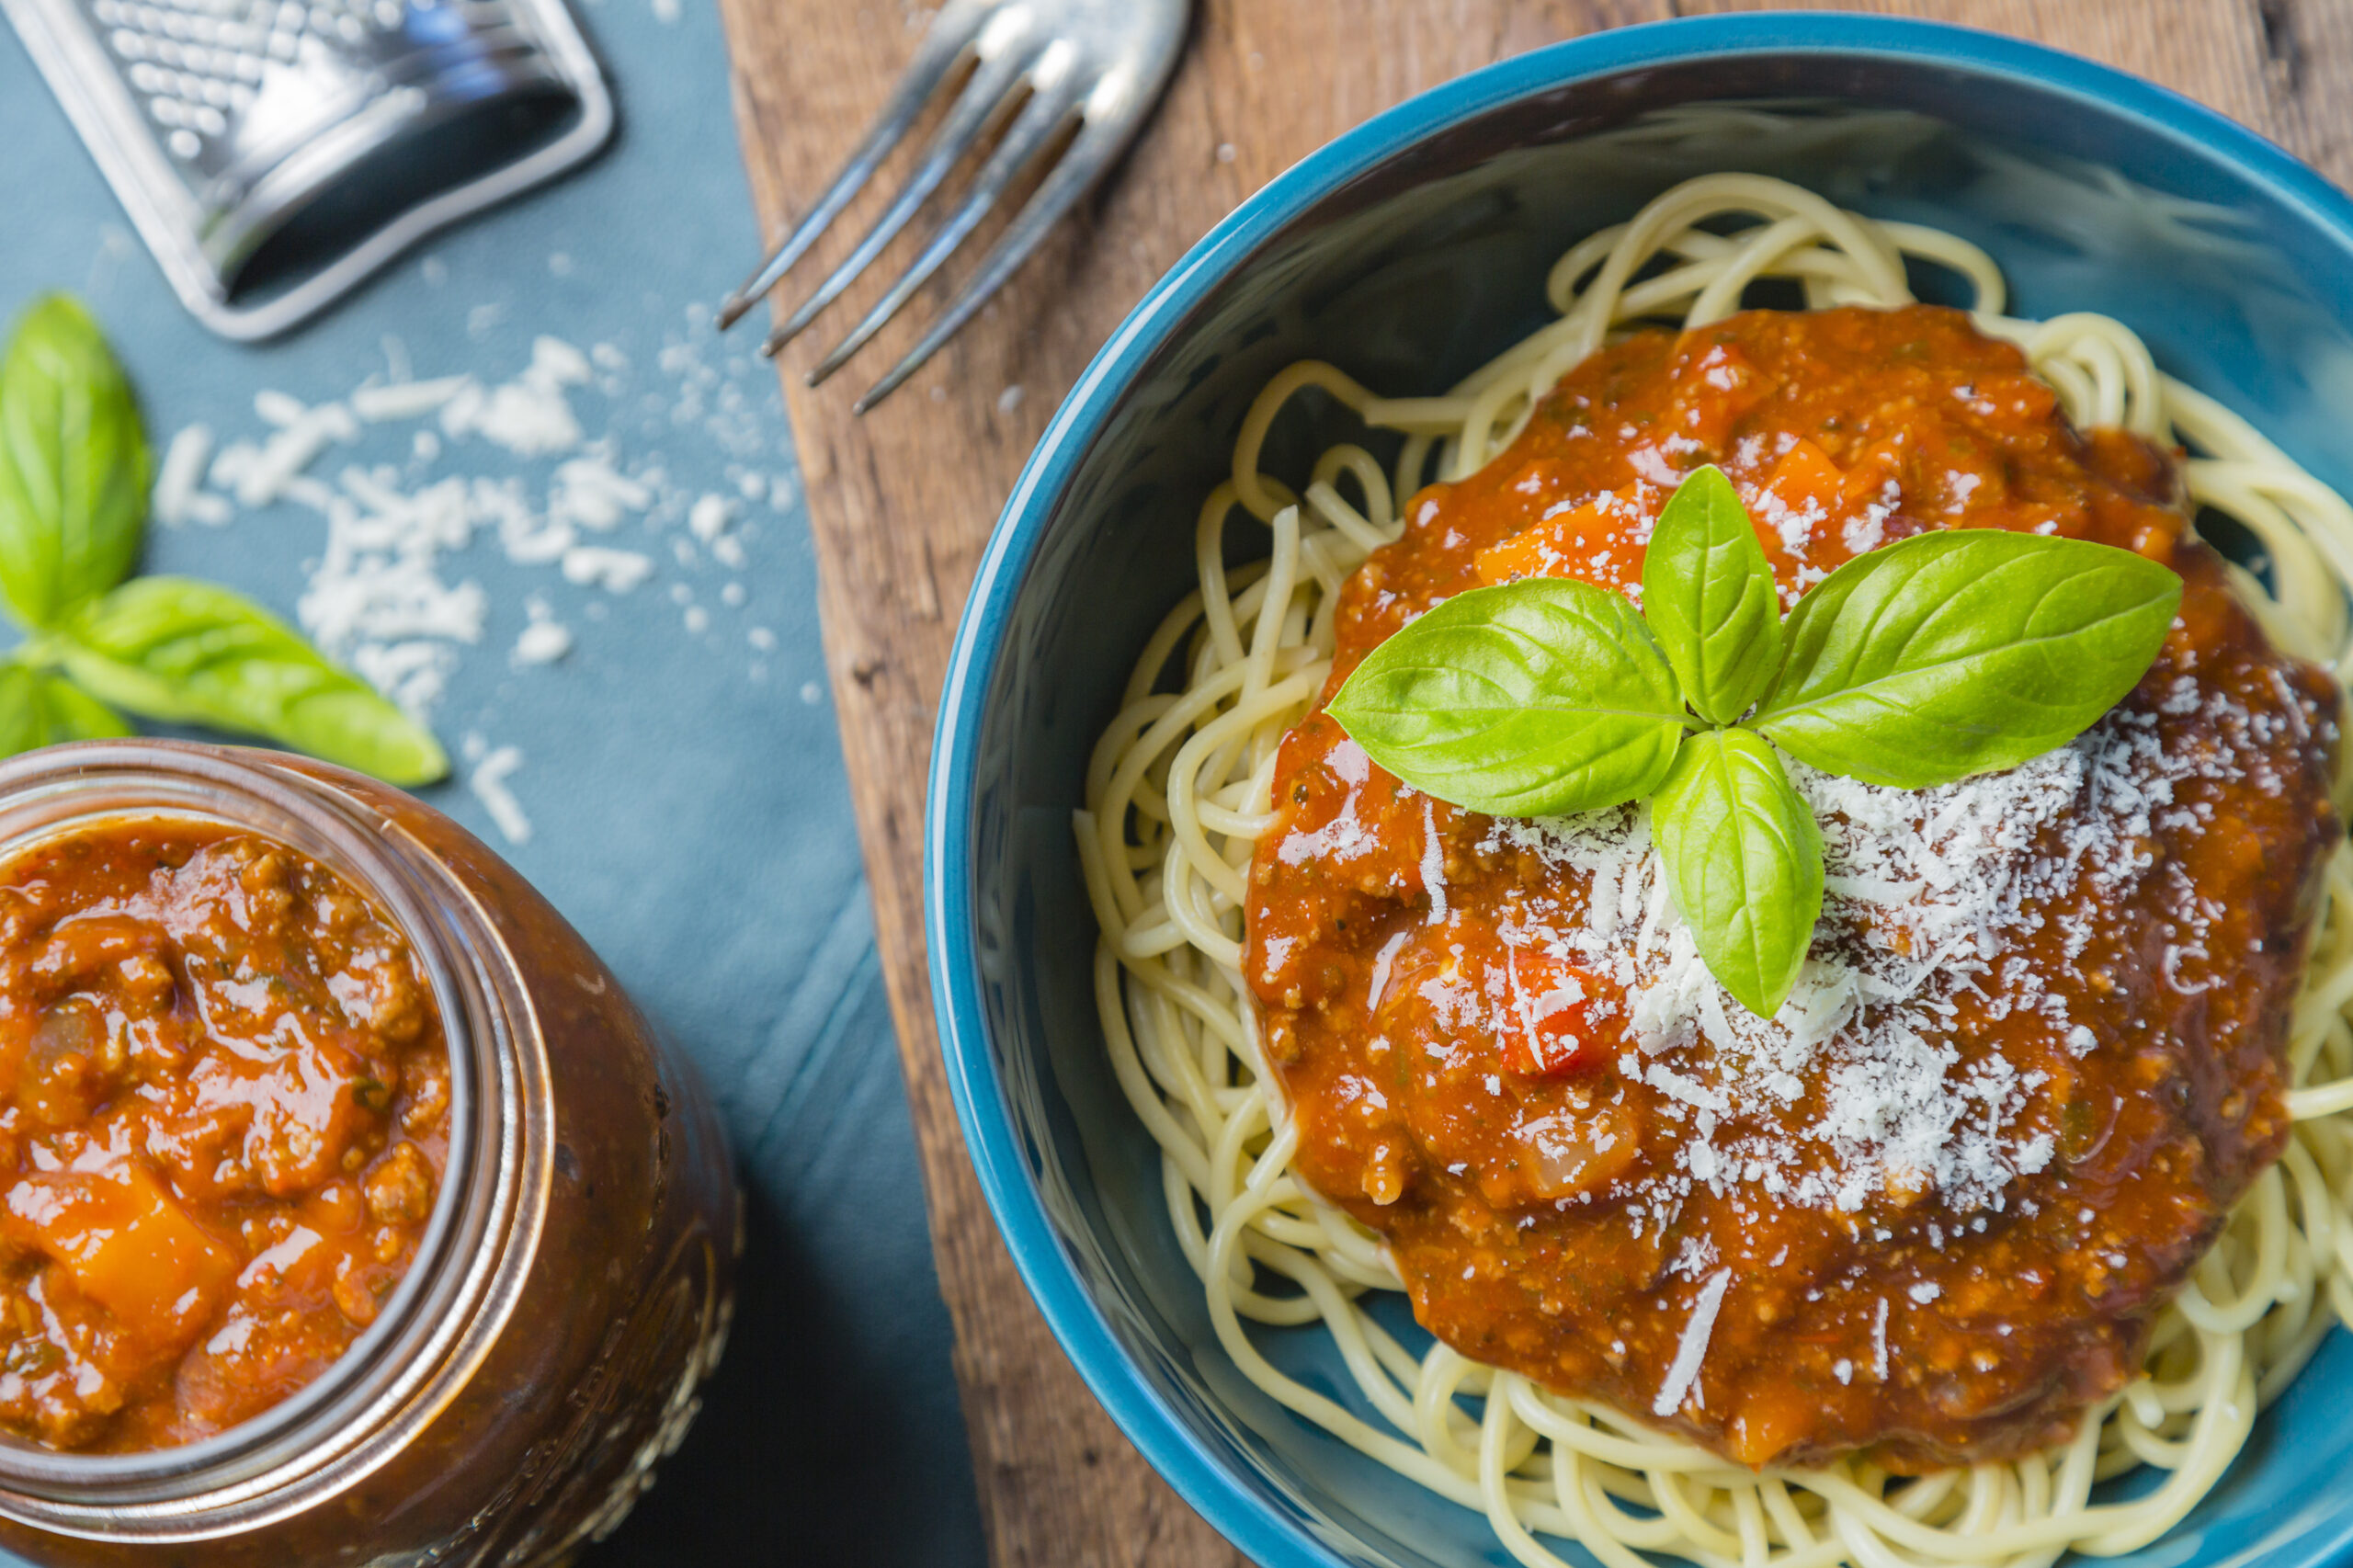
{"points": [[683, 786]]}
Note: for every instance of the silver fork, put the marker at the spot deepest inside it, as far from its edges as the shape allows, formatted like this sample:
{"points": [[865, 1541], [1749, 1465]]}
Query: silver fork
{"points": [[1090, 71]]}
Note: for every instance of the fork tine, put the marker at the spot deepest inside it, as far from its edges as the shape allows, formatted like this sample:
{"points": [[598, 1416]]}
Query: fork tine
{"points": [[1041, 120], [979, 101], [951, 34], [1089, 155]]}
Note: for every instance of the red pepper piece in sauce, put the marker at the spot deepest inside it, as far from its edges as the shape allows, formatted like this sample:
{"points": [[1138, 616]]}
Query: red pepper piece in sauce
{"points": [[1552, 1027]]}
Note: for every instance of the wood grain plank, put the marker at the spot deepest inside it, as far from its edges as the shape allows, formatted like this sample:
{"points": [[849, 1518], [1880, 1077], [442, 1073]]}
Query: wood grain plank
{"points": [[901, 502]]}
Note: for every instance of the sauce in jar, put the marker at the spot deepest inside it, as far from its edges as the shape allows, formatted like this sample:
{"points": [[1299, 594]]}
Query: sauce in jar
{"points": [[452, 1227], [223, 1103]]}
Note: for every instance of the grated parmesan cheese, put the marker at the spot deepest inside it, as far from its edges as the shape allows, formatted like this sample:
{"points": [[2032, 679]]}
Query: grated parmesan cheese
{"points": [[1433, 863], [1856, 1086], [616, 571], [406, 400], [488, 781], [181, 473], [384, 592], [545, 640], [1692, 1348], [709, 517]]}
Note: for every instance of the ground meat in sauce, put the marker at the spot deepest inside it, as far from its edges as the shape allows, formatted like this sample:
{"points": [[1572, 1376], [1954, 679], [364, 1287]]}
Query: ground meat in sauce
{"points": [[1925, 1325], [223, 1098]]}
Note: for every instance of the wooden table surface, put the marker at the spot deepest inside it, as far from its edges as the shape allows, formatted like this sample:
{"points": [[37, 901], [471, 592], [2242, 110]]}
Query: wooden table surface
{"points": [[902, 501]]}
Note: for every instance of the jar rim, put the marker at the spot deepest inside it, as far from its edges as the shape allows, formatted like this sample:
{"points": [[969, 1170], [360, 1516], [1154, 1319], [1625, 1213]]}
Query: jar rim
{"points": [[252, 791]]}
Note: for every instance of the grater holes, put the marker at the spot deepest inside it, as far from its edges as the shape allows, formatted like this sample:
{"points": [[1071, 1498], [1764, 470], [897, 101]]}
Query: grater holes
{"points": [[178, 115], [197, 66], [190, 61]]}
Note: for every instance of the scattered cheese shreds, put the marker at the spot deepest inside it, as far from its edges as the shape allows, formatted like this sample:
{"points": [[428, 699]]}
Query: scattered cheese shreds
{"points": [[617, 571], [277, 408], [709, 517], [542, 643], [180, 475], [488, 781], [406, 400], [1692, 1348], [1929, 892], [383, 594]]}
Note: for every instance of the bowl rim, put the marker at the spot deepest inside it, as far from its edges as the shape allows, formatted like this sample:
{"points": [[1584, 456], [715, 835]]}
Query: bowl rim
{"points": [[1267, 1537]]}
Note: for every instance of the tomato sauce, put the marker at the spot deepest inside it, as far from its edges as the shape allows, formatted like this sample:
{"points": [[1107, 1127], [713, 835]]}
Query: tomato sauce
{"points": [[223, 1102], [1547, 1161]]}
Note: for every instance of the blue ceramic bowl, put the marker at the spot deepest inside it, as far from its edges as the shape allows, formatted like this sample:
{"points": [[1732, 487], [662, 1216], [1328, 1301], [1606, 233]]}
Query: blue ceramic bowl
{"points": [[1406, 252]]}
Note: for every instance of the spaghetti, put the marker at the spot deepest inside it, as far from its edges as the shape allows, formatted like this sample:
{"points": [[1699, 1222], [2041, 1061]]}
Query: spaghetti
{"points": [[1178, 792]]}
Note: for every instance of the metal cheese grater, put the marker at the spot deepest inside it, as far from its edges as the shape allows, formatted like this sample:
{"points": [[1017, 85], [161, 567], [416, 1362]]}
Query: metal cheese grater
{"points": [[274, 153]]}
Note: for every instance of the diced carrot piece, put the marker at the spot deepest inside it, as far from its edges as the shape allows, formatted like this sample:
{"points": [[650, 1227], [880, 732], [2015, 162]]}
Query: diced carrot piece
{"points": [[1551, 1031], [1548, 549], [1806, 479], [1870, 473], [1713, 389], [129, 1245]]}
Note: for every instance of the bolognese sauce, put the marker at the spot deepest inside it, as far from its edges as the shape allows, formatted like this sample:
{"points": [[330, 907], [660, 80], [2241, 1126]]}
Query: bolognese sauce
{"points": [[1930, 1211], [223, 1102]]}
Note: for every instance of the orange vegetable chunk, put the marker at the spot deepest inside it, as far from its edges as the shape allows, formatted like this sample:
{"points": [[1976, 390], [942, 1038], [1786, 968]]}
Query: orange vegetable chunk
{"points": [[129, 1245], [1806, 478], [1550, 549]]}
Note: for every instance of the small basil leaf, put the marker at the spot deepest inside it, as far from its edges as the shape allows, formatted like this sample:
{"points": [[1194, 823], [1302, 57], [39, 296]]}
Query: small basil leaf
{"points": [[1536, 698], [1710, 599], [1744, 858], [176, 649], [1965, 652], [38, 708], [74, 465]]}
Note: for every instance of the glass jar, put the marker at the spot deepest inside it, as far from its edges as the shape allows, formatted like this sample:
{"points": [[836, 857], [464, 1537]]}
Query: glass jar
{"points": [[573, 1289]]}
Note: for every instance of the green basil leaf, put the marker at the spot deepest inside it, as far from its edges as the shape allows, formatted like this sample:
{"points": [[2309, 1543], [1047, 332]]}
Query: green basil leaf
{"points": [[1965, 652], [1710, 599], [74, 465], [176, 649], [1744, 858], [39, 709], [1536, 698]]}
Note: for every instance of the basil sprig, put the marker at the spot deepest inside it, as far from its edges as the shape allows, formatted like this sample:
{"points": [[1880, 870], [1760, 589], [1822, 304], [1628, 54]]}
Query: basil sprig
{"points": [[1538, 699], [1962, 653], [74, 465], [1923, 661], [1711, 599], [74, 481], [1744, 858]]}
